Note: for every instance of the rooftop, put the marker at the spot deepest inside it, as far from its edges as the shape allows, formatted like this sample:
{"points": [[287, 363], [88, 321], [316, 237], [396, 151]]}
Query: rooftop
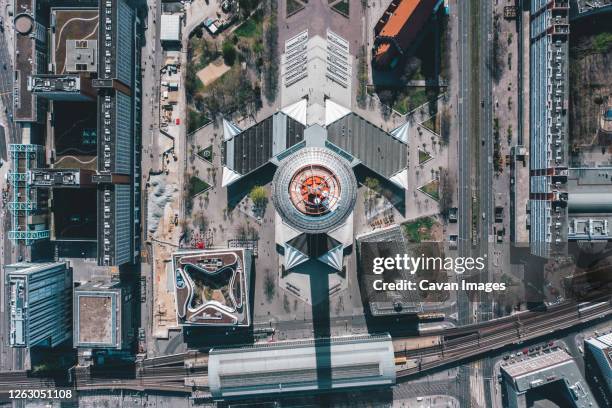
{"points": [[212, 287], [75, 36], [170, 27], [536, 363], [290, 366], [97, 316], [314, 190]]}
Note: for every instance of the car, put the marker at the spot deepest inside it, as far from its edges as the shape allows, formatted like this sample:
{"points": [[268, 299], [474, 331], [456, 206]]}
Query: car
{"points": [[141, 334], [483, 216]]}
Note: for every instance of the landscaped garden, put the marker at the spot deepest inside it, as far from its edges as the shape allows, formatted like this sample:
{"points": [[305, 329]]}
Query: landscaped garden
{"points": [[223, 73], [420, 229], [432, 189]]}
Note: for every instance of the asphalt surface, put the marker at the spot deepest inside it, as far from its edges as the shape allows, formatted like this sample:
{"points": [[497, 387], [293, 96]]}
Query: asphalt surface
{"points": [[151, 58], [486, 170], [464, 174], [10, 358]]}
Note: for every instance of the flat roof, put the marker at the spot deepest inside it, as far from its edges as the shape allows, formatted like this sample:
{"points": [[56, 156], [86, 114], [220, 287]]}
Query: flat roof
{"points": [[531, 364], [95, 314], [70, 25], [291, 366], [27, 268], [170, 27], [602, 342]]}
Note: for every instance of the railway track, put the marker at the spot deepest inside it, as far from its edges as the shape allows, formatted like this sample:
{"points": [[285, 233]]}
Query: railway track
{"points": [[173, 373], [524, 327]]}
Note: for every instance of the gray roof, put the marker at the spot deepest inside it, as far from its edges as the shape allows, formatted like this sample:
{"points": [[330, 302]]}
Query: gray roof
{"points": [[255, 146], [374, 147], [283, 183], [590, 202], [291, 366]]}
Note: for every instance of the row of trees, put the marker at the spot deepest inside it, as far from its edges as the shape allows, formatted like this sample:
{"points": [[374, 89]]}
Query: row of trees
{"points": [[270, 71]]}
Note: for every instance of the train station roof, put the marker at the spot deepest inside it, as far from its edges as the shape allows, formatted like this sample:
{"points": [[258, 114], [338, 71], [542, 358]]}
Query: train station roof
{"points": [[301, 365]]}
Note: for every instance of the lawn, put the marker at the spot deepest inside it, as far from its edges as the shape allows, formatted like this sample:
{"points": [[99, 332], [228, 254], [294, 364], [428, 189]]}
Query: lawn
{"points": [[419, 229], [341, 6], [196, 120], [197, 186], [253, 27], [432, 189], [206, 154], [424, 156], [602, 42], [410, 99], [433, 124], [293, 6]]}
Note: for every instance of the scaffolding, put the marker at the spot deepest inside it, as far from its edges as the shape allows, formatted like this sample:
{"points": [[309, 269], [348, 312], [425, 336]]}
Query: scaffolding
{"points": [[24, 204]]}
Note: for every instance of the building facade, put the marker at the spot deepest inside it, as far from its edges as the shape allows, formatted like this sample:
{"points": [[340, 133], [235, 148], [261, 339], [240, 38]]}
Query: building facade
{"points": [[548, 156], [38, 297], [103, 316]]}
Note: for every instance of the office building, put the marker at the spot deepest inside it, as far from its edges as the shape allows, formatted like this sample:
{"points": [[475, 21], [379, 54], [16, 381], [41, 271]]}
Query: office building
{"points": [[38, 302], [398, 28], [552, 373], [601, 349], [548, 156], [103, 316], [212, 287], [87, 66]]}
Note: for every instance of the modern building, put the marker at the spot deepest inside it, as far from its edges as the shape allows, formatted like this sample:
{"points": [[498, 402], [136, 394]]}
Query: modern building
{"points": [[38, 299], [67, 87], [315, 150], [552, 373], [385, 242], [31, 58], [87, 65], [398, 28], [321, 187], [589, 204], [103, 316], [301, 366], [601, 349], [170, 29], [548, 156], [28, 204], [212, 287]]}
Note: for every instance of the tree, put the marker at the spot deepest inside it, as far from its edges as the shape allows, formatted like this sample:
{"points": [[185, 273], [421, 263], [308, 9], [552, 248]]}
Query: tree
{"points": [[246, 6], [446, 192], [229, 53], [258, 196], [445, 120], [269, 286], [372, 183]]}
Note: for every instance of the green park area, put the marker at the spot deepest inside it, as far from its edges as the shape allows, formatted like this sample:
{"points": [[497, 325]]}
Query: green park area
{"points": [[420, 229], [432, 189]]}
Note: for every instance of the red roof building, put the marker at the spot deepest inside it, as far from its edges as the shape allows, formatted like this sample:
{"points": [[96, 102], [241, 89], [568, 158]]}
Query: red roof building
{"points": [[398, 28]]}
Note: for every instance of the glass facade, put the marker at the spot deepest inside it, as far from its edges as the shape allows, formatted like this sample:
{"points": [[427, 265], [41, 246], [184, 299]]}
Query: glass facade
{"points": [[39, 301]]}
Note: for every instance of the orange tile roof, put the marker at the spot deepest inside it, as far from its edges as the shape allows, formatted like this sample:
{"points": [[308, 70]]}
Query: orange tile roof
{"points": [[399, 17], [382, 48]]}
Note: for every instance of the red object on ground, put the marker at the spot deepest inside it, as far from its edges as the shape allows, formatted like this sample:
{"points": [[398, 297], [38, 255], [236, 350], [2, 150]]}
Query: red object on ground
{"points": [[178, 121], [200, 245]]}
